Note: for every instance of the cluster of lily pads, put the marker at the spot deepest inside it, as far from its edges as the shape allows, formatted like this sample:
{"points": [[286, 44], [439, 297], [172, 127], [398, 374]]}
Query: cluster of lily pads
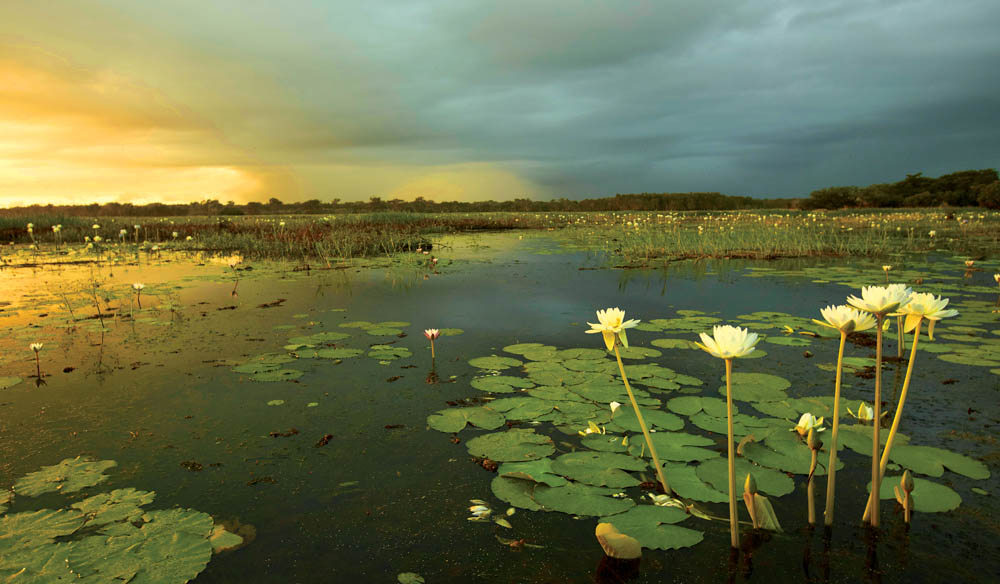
{"points": [[595, 469], [105, 537]]}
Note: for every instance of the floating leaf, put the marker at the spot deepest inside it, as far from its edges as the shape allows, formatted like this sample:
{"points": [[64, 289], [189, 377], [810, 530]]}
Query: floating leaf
{"points": [[522, 407], [634, 352], [602, 469], [69, 476], [578, 499], [338, 353], [6, 382], [716, 473], [757, 387], [410, 578], [931, 461], [928, 496], [501, 383], [625, 419], [516, 444], [455, 419], [223, 540], [673, 344], [277, 375], [517, 492], [676, 446], [34, 528], [685, 482], [388, 352], [653, 527], [494, 363], [539, 471], [450, 332], [118, 505]]}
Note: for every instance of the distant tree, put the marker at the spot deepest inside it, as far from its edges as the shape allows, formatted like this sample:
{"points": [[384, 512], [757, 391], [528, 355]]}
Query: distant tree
{"points": [[989, 195], [832, 198]]}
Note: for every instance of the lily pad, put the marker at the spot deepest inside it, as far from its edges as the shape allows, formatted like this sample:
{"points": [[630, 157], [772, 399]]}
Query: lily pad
{"points": [[517, 492], [388, 352], [638, 353], [603, 469], [6, 382], [522, 407], [673, 344], [716, 473], [689, 405], [277, 375], [455, 419], [501, 383], [677, 446], [538, 471], [931, 461], [625, 419], [69, 476], [754, 387], [578, 499], [654, 527], [684, 481], [118, 505], [338, 353], [34, 528], [928, 496], [517, 444], [450, 332], [495, 363]]}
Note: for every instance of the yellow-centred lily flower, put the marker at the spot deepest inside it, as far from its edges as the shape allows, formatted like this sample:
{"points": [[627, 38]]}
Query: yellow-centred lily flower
{"points": [[925, 305], [881, 300], [611, 323], [728, 342], [808, 422], [614, 406], [138, 286], [997, 278], [592, 428], [36, 347], [865, 412], [846, 319], [886, 268]]}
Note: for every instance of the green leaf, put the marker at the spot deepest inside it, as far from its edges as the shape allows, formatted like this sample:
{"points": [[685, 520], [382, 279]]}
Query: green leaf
{"points": [[34, 528], [388, 352], [625, 419], [928, 496], [11, 381], [223, 540], [675, 446], [501, 383], [494, 363], [602, 469], [685, 482], [766, 518], [716, 473], [539, 471], [673, 344], [577, 499], [455, 419], [338, 353], [69, 476], [634, 352], [409, 578], [118, 505], [654, 527], [522, 407], [516, 444], [757, 387], [931, 461], [277, 375], [517, 492]]}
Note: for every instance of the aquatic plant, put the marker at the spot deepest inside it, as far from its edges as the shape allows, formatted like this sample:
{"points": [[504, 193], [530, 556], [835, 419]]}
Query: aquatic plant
{"points": [[138, 286], [815, 444], [879, 301], [729, 342], [37, 347], [904, 494], [432, 334], [919, 307], [611, 324], [845, 320]]}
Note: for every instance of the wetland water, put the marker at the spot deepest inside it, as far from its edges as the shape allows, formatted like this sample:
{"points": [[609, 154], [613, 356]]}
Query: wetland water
{"points": [[155, 390]]}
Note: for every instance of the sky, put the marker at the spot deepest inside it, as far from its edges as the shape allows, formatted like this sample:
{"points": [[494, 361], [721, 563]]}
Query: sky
{"points": [[243, 100]]}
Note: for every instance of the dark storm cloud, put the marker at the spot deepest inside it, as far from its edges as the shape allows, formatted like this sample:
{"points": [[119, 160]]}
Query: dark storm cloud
{"points": [[576, 97]]}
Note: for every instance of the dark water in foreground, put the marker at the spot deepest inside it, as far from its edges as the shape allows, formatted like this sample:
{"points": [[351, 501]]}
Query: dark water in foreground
{"points": [[387, 495]]}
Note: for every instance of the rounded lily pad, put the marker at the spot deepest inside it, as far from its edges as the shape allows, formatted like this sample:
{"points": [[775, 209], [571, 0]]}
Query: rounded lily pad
{"points": [[515, 444], [276, 375], [501, 383], [11, 381], [69, 476], [515, 491], [626, 419], [928, 496], [455, 419], [603, 469], [538, 471], [673, 344], [684, 481], [654, 527], [638, 353], [338, 353], [678, 446], [578, 499], [450, 332], [716, 473], [495, 363], [388, 352], [757, 387], [931, 461]]}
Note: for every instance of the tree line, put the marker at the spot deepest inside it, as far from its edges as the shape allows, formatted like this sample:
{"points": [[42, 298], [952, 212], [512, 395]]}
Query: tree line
{"points": [[967, 188]]}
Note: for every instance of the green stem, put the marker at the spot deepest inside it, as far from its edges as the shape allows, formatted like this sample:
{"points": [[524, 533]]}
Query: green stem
{"points": [[900, 338], [876, 475], [734, 528], [831, 468], [809, 490], [642, 424], [899, 409], [432, 349]]}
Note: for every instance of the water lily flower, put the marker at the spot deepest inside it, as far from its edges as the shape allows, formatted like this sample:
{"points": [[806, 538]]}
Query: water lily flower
{"points": [[808, 422], [881, 300], [932, 233], [189, 238], [728, 342], [996, 277], [138, 286], [924, 305], [865, 412], [96, 226], [614, 407], [969, 263], [432, 334], [174, 234], [592, 428], [845, 319], [611, 324], [97, 239], [122, 232], [36, 347], [56, 228], [886, 268]]}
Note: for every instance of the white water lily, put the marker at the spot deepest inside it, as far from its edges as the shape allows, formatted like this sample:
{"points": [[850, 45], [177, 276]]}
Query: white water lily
{"points": [[36, 347], [881, 300], [56, 228], [614, 407], [846, 319], [886, 268], [865, 412], [808, 422], [592, 428], [728, 342], [138, 286], [611, 324], [925, 305]]}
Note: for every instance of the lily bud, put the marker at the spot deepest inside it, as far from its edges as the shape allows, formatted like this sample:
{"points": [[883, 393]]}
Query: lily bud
{"points": [[907, 482], [813, 440], [750, 486]]}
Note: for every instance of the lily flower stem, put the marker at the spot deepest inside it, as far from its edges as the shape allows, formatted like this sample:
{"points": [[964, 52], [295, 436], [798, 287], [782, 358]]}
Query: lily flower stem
{"points": [[642, 424], [38, 366], [432, 350], [810, 490], [899, 408], [831, 468], [873, 499], [734, 528], [900, 337], [138, 298]]}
